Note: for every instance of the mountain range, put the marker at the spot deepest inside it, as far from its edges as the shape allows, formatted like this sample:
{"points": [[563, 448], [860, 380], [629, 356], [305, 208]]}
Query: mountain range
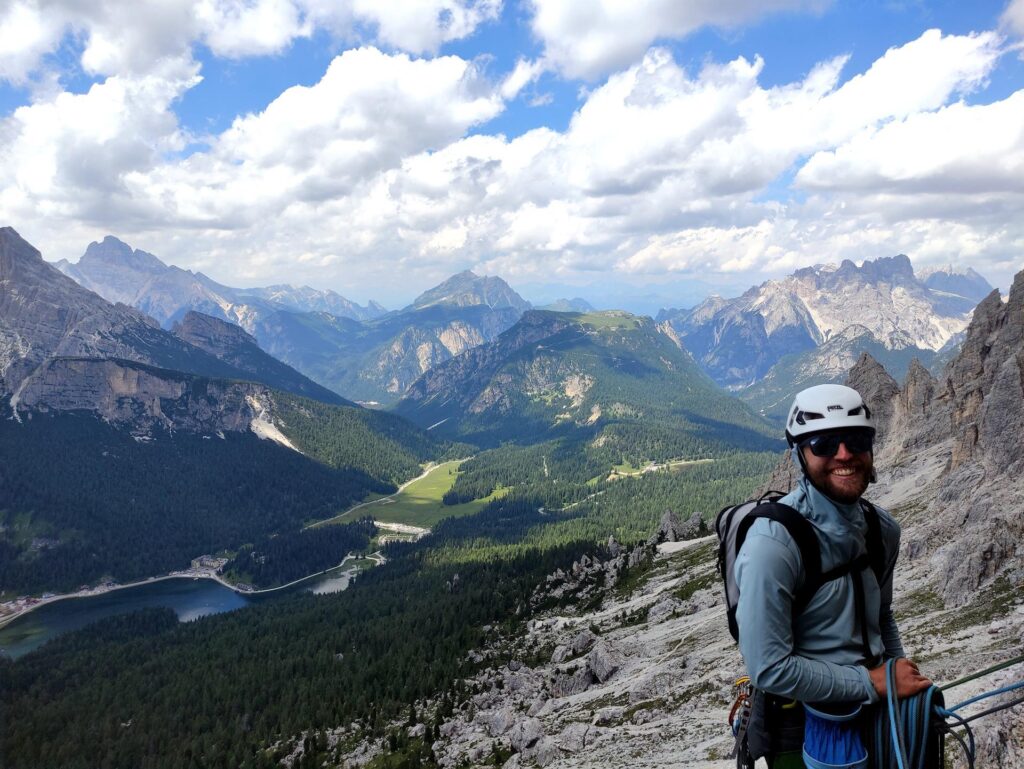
{"points": [[119, 273], [362, 353], [738, 341], [594, 651]]}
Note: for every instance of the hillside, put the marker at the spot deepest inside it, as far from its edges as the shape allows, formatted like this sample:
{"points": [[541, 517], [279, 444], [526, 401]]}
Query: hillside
{"points": [[128, 450], [610, 378]]}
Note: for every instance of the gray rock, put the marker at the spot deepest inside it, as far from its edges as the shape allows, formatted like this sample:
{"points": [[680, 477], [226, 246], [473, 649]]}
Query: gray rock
{"points": [[525, 733], [603, 661], [609, 715], [614, 548], [545, 752], [498, 722], [537, 706], [568, 685], [663, 608], [560, 654]]}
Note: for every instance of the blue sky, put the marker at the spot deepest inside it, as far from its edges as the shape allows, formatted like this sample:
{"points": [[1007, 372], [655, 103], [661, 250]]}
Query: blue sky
{"points": [[645, 153]]}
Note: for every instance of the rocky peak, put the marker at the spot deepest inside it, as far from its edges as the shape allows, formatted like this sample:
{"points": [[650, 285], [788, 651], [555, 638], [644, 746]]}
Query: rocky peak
{"points": [[116, 253], [970, 374], [17, 254], [467, 289], [877, 387], [965, 282], [918, 389]]}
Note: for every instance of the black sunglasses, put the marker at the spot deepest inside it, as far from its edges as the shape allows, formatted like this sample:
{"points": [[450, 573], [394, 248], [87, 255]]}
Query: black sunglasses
{"points": [[827, 444]]}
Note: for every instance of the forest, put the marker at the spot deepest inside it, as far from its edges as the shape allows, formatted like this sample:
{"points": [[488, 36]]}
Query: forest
{"points": [[282, 558], [80, 500], [144, 691]]}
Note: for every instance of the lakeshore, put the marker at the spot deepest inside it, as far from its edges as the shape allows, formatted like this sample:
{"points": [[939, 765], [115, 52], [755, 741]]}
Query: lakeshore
{"points": [[22, 606]]}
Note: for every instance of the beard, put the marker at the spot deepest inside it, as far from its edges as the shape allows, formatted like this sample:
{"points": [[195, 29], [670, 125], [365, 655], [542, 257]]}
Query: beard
{"points": [[844, 481]]}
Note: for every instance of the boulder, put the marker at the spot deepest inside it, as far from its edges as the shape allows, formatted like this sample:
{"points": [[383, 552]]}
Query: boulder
{"points": [[603, 661], [568, 685], [545, 752], [524, 734], [614, 548], [663, 608], [609, 715]]}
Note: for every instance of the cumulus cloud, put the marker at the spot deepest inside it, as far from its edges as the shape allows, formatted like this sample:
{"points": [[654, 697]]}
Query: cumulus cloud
{"points": [[1013, 17], [380, 167], [588, 38], [137, 38]]}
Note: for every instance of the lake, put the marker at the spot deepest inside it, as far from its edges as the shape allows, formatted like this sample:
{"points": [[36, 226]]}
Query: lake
{"points": [[189, 598]]}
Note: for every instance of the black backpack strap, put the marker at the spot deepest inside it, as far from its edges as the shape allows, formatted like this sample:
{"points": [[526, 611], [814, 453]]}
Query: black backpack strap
{"points": [[802, 532], [875, 545]]}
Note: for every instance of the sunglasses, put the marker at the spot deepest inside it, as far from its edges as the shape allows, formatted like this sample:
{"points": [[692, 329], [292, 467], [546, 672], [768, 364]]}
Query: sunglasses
{"points": [[827, 444]]}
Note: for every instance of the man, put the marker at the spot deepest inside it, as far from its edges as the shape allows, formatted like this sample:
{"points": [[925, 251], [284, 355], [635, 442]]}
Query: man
{"points": [[833, 651]]}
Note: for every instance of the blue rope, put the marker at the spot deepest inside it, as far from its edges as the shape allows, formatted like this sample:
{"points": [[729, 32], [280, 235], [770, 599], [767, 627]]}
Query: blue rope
{"points": [[912, 722], [986, 695], [895, 726]]}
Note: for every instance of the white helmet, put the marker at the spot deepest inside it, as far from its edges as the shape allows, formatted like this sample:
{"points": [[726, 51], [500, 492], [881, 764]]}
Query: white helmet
{"points": [[826, 407]]}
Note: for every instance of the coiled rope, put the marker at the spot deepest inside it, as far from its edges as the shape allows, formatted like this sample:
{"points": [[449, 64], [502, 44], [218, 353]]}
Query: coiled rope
{"points": [[907, 733]]}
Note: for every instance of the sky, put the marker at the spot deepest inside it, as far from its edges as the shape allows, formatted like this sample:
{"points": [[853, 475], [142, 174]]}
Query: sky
{"points": [[637, 153]]}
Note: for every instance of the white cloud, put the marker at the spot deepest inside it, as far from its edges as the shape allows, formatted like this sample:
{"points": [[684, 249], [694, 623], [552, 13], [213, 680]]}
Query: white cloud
{"points": [[136, 38], [421, 26], [238, 28], [587, 38], [24, 38], [958, 150], [372, 172], [524, 73], [1013, 17]]}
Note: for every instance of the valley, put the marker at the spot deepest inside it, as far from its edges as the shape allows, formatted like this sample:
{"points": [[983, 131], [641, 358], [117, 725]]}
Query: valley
{"points": [[527, 508]]}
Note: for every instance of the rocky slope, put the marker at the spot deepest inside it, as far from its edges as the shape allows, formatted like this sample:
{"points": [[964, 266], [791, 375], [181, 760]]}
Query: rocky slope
{"points": [[44, 314], [65, 349], [739, 340], [232, 344]]}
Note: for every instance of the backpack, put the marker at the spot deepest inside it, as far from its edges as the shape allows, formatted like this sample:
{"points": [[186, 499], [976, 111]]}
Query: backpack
{"points": [[762, 723], [733, 522]]}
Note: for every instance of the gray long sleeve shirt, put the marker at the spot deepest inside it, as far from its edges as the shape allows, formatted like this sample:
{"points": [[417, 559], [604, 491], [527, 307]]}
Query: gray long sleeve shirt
{"points": [[819, 659]]}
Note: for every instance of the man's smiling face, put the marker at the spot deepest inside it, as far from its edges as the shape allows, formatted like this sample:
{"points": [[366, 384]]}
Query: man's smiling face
{"points": [[843, 477]]}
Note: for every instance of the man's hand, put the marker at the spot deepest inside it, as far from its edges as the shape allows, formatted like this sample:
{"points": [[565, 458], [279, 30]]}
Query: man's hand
{"points": [[909, 680]]}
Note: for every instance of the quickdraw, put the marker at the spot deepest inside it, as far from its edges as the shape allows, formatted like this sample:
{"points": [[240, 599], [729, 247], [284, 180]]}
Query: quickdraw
{"points": [[739, 714]]}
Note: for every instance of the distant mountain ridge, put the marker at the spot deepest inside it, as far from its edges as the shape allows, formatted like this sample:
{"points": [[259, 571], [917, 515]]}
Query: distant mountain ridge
{"points": [[364, 354], [119, 273], [738, 341]]}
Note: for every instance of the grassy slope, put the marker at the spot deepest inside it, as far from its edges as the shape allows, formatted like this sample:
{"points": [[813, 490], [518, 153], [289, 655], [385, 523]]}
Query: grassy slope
{"points": [[419, 503]]}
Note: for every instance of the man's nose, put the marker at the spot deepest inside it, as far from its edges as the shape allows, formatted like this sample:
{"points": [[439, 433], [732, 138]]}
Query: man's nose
{"points": [[843, 453]]}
